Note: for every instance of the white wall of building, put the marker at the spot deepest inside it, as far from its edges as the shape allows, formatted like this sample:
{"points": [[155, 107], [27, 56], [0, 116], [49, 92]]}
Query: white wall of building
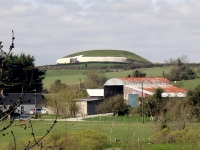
{"points": [[63, 61], [95, 92], [80, 58]]}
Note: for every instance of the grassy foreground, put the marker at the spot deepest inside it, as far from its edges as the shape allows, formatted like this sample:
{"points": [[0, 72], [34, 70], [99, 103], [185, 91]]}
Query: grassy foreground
{"points": [[115, 129], [127, 129]]}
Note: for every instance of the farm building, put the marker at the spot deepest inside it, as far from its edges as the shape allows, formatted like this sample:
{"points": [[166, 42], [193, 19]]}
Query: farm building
{"points": [[88, 104], [30, 101], [132, 88]]}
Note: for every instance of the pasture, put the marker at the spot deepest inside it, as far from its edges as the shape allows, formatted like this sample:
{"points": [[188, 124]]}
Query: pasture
{"points": [[76, 76], [114, 129], [125, 129]]}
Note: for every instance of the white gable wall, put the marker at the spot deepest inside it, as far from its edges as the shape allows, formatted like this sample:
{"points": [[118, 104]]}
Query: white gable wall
{"points": [[95, 92]]}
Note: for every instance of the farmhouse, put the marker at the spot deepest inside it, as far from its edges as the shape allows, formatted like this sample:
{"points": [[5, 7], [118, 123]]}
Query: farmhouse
{"points": [[30, 101], [132, 88]]}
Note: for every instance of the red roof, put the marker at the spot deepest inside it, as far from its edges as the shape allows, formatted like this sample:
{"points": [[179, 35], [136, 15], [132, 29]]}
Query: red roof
{"points": [[147, 81], [167, 89], [152, 83]]}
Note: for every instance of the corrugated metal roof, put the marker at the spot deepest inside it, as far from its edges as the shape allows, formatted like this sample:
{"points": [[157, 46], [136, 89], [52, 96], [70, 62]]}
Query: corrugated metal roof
{"points": [[137, 81], [139, 88], [167, 89], [146, 81]]}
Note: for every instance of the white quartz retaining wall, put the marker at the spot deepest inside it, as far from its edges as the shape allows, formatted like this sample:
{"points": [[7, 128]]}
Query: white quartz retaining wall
{"points": [[93, 59]]}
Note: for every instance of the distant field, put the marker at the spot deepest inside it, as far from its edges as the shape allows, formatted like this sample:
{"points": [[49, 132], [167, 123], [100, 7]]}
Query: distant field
{"points": [[189, 84], [68, 79], [76, 76], [54, 73]]}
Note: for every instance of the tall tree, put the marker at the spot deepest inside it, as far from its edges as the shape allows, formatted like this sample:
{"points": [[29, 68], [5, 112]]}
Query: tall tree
{"points": [[94, 79], [155, 103], [138, 73], [181, 72], [20, 72], [65, 98], [57, 86]]}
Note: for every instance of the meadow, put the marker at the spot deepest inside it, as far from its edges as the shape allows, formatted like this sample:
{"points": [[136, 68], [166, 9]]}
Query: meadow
{"points": [[125, 129], [76, 76], [115, 129], [120, 129]]}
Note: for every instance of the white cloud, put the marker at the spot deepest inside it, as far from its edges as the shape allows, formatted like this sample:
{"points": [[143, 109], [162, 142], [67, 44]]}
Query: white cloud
{"points": [[155, 29]]}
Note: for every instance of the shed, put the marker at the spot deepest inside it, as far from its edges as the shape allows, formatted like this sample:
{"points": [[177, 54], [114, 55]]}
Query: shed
{"points": [[88, 105]]}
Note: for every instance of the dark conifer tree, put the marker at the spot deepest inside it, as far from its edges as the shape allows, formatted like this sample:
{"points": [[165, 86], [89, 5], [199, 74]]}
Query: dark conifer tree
{"points": [[20, 73]]}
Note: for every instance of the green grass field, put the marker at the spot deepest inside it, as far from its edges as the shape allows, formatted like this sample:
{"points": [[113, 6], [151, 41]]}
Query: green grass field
{"points": [[76, 76], [113, 130], [121, 128]]}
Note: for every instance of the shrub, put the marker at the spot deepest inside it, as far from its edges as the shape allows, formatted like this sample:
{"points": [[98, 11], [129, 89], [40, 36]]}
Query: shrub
{"points": [[86, 140], [187, 135]]}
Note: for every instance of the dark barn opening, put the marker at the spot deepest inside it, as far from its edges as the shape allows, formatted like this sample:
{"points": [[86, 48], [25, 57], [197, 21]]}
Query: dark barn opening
{"points": [[91, 106], [113, 90]]}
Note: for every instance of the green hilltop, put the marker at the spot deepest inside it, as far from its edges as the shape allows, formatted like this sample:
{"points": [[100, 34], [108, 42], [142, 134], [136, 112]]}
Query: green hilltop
{"points": [[110, 53]]}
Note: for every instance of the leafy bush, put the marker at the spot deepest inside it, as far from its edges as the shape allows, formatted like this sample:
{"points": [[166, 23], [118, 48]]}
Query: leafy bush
{"points": [[187, 135], [115, 104], [160, 136], [182, 72], [86, 140]]}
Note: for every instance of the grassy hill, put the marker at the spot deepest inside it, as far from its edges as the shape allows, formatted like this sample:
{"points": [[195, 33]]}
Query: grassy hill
{"points": [[110, 53]]}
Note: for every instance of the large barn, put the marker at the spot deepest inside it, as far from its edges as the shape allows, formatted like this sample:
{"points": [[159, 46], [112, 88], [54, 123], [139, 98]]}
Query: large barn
{"points": [[132, 88]]}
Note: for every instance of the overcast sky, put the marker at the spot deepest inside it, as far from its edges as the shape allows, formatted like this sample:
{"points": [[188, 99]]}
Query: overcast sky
{"points": [[51, 29]]}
